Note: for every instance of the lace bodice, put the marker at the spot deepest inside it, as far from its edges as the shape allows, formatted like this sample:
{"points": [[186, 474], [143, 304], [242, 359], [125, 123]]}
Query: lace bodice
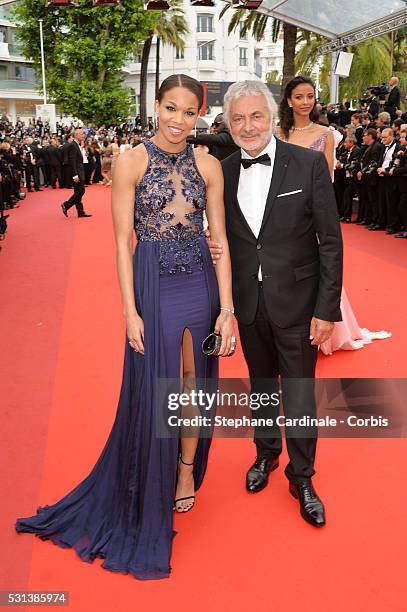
{"points": [[169, 207]]}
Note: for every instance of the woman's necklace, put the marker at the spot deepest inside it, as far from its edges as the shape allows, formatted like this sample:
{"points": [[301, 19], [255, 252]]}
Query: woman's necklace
{"points": [[307, 127]]}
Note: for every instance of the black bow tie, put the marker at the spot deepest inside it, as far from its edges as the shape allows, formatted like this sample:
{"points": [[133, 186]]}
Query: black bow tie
{"points": [[263, 159]]}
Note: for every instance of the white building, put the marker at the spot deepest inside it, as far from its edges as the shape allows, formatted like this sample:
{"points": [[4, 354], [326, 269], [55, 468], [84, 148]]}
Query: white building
{"points": [[211, 55], [272, 55], [18, 87]]}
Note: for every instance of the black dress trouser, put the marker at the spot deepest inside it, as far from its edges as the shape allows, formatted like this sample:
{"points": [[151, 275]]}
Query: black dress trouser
{"points": [[270, 351], [76, 197]]}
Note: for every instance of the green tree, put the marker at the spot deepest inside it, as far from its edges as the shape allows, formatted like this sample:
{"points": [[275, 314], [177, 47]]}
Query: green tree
{"points": [[256, 24], [170, 28], [85, 49], [373, 63]]}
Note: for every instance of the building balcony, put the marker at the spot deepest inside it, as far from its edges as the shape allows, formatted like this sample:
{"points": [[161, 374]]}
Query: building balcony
{"points": [[209, 65], [18, 84]]}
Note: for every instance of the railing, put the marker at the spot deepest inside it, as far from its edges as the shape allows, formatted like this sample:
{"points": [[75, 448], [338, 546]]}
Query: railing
{"points": [[18, 84]]}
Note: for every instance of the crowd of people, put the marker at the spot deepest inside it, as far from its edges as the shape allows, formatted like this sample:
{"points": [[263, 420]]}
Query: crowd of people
{"points": [[370, 163], [33, 158], [372, 167]]}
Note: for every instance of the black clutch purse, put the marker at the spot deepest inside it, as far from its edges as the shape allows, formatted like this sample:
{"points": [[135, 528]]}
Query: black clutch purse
{"points": [[211, 344]]}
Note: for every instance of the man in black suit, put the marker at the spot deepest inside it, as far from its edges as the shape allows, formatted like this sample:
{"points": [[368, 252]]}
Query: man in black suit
{"points": [[220, 142], [30, 156], [55, 165], [286, 252], [399, 172], [75, 163], [393, 101], [373, 106], [350, 164], [66, 172], [368, 177], [387, 210]]}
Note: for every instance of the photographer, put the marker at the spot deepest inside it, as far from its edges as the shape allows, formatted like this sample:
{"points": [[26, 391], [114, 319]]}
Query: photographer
{"points": [[398, 171], [383, 120], [368, 177], [30, 164], [356, 121], [372, 104], [393, 101], [386, 213], [350, 164]]}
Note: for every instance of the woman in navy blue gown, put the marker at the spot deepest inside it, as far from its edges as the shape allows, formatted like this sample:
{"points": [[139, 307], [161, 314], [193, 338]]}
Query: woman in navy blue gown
{"points": [[123, 511]]}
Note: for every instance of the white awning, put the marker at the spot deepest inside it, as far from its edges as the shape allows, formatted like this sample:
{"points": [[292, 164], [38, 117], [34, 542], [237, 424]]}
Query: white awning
{"points": [[333, 18]]}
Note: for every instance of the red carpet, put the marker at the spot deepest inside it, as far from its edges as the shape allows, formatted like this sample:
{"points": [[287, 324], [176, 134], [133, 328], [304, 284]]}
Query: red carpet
{"points": [[61, 358]]}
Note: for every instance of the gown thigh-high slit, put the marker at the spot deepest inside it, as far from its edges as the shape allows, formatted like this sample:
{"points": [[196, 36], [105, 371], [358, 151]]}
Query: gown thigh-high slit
{"points": [[122, 511]]}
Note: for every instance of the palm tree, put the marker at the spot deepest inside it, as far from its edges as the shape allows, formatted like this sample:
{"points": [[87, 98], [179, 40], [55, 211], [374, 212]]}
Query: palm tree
{"points": [[256, 24], [170, 28], [371, 63]]}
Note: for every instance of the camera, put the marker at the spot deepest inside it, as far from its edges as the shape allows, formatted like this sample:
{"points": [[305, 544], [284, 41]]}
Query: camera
{"points": [[380, 91], [371, 169]]}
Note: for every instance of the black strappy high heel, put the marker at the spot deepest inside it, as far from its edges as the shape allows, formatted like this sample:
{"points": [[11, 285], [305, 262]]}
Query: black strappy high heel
{"points": [[188, 508]]}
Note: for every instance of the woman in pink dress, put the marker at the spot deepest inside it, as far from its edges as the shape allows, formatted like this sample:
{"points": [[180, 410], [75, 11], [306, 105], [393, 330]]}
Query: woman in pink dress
{"points": [[298, 125]]}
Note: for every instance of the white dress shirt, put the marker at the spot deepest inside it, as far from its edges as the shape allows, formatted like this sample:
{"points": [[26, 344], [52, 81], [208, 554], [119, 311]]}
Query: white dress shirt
{"points": [[388, 154], [254, 185]]}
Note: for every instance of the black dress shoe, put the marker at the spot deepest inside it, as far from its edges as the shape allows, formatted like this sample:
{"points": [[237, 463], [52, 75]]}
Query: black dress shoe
{"points": [[311, 507], [84, 214], [347, 220], [391, 231], [258, 475], [401, 235], [377, 228], [64, 209], [39, 190]]}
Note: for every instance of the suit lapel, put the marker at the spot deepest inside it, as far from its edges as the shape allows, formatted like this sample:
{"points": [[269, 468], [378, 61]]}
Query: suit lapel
{"points": [[280, 166], [233, 186]]}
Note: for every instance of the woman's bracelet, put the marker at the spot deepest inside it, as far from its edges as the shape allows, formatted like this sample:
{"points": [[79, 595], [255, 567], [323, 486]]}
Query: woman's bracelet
{"points": [[231, 310]]}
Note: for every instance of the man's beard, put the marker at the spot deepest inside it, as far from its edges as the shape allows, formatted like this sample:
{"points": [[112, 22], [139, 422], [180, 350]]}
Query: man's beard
{"points": [[259, 144]]}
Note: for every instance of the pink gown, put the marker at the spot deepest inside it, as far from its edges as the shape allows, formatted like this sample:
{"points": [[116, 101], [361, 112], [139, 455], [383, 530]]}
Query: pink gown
{"points": [[347, 334]]}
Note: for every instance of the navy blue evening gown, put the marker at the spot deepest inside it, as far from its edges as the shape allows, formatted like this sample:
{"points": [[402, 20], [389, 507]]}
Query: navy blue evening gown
{"points": [[122, 511]]}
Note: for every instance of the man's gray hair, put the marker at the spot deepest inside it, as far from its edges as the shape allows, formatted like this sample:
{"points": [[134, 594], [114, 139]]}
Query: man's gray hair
{"points": [[245, 88], [352, 138], [385, 117]]}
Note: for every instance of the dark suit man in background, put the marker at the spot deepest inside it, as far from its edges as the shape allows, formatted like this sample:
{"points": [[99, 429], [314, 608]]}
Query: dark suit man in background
{"points": [[373, 106], [399, 172], [30, 157], [387, 209], [350, 164], [368, 177], [393, 101], [220, 142], [55, 164], [75, 163], [66, 172]]}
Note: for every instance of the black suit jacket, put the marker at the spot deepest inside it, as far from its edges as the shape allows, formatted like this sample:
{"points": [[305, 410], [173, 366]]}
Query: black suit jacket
{"points": [[299, 246], [352, 156], [54, 156], [221, 145], [393, 101], [371, 157], [373, 107], [75, 160], [400, 171]]}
